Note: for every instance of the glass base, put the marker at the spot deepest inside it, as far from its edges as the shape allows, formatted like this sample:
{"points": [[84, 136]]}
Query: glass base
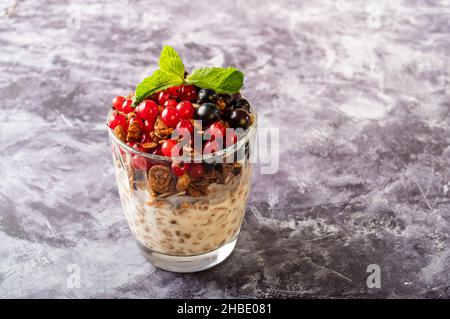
{"points": [[186, 264]]}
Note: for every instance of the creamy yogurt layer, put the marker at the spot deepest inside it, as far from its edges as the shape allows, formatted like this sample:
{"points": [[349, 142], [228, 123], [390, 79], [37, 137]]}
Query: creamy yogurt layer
{"points": [[183, 225]]}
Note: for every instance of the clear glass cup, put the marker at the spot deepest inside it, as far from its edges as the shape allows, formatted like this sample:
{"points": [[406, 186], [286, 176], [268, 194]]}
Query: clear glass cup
{"points": [[191, 230]]}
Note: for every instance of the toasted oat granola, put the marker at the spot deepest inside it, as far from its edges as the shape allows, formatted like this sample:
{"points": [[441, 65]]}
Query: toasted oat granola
{"points": [[159, 178]]}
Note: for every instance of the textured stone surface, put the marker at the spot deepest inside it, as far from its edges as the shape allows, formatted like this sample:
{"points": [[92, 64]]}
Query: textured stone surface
{"points": [[359, 91]]}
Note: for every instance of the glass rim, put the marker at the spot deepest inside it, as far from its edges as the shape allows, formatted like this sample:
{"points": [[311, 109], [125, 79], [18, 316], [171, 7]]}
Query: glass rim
{"points": [[248, 133]]}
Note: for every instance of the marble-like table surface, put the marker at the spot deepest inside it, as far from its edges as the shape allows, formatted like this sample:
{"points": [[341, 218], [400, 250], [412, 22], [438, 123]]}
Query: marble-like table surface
{"points": [[359, 91]]}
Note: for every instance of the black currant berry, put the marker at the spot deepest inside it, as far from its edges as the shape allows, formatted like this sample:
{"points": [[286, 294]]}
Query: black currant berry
{"points": [[225, 115], [207, 95], [228, 99], [208, 113], [237, 96], [242, 104], [239, 118]]}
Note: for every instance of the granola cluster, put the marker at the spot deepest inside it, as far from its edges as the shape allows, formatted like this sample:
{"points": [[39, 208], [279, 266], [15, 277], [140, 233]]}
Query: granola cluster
{"points": [[161, 132], [162, 182]]}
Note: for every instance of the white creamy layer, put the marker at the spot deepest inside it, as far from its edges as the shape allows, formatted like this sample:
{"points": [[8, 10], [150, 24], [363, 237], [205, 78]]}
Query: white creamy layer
{"points": [[184, 225]]}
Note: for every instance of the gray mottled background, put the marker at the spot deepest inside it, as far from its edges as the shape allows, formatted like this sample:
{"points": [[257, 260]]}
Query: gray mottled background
{"points": [[359, 91]]}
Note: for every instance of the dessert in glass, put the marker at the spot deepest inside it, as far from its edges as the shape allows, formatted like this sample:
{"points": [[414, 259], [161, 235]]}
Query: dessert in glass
{"points": [[183, 170]]}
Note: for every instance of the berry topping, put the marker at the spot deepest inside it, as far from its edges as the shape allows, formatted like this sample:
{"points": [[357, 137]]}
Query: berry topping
{"points": [[159, 119], [207, 95], [225, 115], [179, 169], [126, 106], [211, 147], [196, 170], [171, 103], [188, 93], [117, 102], [185, 128], [237, 96], [117, 119], [170, 116], [216, 131], [170, 148], [239, 118], [149, 127], [157, 151], [139, 162], [163, 97], [230, 138], [242, 104], [174, 91], [228, 99], [147, 110], [185, 110], [208, 113]]}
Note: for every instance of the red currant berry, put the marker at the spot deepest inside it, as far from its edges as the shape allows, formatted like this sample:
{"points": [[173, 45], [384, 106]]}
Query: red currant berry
{"points": [[147, 110], [149, 127], [131, 144], [115, 119], [157, 151], [163, 97], [188, 93], [170, 148], [139, 162], [185, 128], [185, 110], [174, 91], [126, 106], [117, 102], [230, 138], [171, 103], [211, 147], [217, 131], [170, 116], [196, 170], [179, 169]]}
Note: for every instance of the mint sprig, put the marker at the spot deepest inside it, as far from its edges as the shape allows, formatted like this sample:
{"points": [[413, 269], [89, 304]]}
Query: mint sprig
{"points": [[171, 73], [158, 81], [170, 62], [221, 80]]}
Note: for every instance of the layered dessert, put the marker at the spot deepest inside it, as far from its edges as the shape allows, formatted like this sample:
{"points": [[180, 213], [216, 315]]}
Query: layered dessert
{"points": [[180, 147]]}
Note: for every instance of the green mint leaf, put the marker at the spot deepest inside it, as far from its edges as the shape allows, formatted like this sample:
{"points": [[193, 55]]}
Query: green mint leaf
{"points": [[158, 81], [221, 80], [170, 61]]}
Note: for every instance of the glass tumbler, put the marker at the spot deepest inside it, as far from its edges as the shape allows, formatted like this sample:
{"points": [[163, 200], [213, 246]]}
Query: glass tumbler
{"points": [[190, 230]]}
